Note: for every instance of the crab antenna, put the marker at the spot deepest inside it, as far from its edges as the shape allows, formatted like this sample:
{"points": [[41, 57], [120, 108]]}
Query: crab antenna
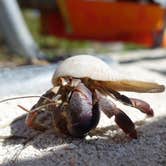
{"points": [[42, 106], [14, 98], [23, 108]]}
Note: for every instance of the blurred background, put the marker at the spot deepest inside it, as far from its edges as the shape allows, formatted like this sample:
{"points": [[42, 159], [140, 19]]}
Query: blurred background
{"points": [[46, 31]]}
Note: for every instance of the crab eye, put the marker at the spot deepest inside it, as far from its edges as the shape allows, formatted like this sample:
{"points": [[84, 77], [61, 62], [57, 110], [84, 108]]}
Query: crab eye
{"points": [[70, 79], [62, 81]]}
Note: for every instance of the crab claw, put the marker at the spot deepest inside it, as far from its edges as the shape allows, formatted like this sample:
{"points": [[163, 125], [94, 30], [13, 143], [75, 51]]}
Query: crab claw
{"points": [[142, 106], [125, 123]]}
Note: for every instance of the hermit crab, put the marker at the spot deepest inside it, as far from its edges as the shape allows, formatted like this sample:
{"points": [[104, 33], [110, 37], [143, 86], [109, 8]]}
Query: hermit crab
{"points": [[81, 86]]}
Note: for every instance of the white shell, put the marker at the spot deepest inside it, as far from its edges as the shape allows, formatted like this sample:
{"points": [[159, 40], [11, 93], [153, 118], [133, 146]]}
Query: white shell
{"points": [[81, 66], [86, 66]]}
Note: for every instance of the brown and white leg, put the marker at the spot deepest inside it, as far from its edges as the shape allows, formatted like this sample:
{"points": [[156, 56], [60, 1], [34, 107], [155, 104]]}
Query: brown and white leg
{"points": [[40, 115], [39, 120], [122, 120], [142, 106], [133, 102]]}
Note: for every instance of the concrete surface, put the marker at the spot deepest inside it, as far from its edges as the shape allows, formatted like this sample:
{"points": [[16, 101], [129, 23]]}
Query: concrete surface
{"points": [[105, 146]]}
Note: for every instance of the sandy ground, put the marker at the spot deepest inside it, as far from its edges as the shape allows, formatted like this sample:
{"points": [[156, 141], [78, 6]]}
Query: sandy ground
{"points": [[107, 145]]}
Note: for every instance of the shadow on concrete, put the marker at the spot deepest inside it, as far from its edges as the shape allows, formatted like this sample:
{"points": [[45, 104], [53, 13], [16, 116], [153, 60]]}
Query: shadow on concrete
{"points": [[104, 142], [22, 134]]}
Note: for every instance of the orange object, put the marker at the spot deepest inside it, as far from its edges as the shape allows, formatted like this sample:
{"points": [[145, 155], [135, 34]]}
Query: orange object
{"points": [[108, 21]]}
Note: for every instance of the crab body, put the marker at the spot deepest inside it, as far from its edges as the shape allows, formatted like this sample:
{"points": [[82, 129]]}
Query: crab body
{"points": [[82, 84]]}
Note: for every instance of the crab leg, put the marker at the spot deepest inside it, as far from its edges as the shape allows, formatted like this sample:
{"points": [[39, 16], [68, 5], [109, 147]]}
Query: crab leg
{"points": [[122, 120], [48, 95], [36, 117], [133, 102], [142, 106], [125, 123], [31, 121], [39, 119]]}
